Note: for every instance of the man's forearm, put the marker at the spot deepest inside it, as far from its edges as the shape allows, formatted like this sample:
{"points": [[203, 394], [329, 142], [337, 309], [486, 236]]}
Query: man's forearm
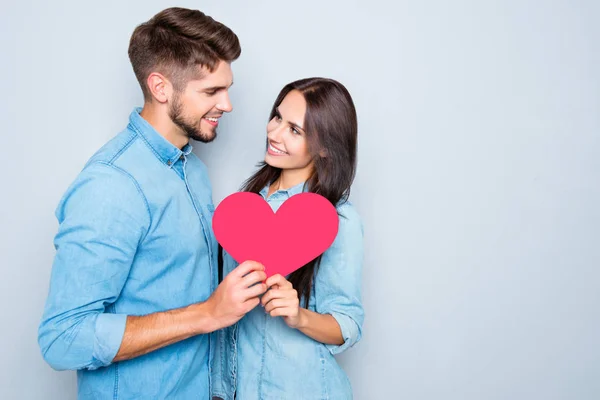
{"points": [[144, 334], [231, 300]]}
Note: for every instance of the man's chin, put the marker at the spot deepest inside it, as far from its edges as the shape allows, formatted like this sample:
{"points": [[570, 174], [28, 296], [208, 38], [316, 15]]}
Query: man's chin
{"points": [[203, 137]]}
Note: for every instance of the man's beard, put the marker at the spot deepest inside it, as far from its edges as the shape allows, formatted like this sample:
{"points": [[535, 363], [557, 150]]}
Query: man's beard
{"points": [[191, 130]]}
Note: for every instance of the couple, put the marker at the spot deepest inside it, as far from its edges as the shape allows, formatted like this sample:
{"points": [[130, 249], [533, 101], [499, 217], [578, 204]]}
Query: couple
{"points": [[136, 303]]}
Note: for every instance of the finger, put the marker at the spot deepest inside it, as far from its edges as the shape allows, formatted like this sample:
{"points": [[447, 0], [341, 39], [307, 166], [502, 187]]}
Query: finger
{"points": [[283, 312], [270, 295], [255, 291], [277, 294], [252, 278], [285, 284], [274, 280], [250, 304], [281, 303], [280, 281], [246, 267], [272, 288], [273, 304]]}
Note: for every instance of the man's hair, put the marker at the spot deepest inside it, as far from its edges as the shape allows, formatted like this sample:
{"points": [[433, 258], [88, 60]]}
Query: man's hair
{"points": [[175, 42]]}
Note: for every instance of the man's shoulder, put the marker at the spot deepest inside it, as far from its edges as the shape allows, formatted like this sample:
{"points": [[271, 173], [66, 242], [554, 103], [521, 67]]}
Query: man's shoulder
{"points": [[100, 189], [114, 148], [126, 154], [101, 176]]}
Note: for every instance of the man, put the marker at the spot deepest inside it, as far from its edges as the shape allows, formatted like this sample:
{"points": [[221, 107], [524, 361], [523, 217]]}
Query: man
{"points": [[130, 304]]}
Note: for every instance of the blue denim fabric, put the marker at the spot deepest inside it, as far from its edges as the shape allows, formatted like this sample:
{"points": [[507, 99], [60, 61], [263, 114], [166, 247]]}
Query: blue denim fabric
{"points": [[134, 238], [260, 357]]}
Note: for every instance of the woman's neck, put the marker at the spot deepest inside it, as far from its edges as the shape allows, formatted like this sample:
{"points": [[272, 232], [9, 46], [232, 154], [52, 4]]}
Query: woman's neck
{"points": [[288, 179]]}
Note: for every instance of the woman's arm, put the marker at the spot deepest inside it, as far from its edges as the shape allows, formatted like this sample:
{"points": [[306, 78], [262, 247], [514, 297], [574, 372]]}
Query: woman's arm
{"points": [[339, 314], [282, 301]]}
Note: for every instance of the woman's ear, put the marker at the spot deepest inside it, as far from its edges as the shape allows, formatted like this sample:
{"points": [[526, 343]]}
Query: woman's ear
{"points": [[323, 153]]}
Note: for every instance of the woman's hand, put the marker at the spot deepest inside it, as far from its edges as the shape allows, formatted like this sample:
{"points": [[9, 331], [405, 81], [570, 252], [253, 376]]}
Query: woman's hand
{"points": [[281, 300]]}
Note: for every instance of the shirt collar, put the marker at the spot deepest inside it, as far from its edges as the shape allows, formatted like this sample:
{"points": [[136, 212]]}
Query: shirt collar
{"points": [[164, 150], [299, 188]]}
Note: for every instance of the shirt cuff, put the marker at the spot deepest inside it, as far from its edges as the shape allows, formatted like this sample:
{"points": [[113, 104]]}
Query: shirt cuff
{"points": [[349, 333], [110, 329]]}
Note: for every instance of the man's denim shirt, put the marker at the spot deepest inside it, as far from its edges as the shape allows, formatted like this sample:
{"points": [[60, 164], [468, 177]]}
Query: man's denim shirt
{"points": [[260, 357], [134, 238]]}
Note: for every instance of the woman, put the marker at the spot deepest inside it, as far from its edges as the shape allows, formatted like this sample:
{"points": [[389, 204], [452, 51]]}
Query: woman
{"points": [[284, 349]]}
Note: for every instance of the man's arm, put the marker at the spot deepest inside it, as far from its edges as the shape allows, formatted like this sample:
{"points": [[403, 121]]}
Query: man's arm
{"points": [[232, 299], [103, 217]]}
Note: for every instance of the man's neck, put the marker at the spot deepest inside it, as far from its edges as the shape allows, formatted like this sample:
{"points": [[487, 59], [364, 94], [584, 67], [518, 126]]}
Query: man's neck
{"points": [[161, 122]]}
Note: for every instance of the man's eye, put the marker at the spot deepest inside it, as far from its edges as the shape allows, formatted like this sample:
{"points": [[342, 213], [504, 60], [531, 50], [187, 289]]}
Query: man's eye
{"points": [[211, 93]]}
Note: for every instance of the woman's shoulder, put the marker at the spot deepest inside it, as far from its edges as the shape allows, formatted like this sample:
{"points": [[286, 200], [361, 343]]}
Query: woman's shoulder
{"points": [[350, 234], [349, 217], [347, 209]]}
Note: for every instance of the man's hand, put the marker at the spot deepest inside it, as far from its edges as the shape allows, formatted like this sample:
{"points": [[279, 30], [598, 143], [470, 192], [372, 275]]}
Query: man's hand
{"points": [[237, 294], [229, 302]]}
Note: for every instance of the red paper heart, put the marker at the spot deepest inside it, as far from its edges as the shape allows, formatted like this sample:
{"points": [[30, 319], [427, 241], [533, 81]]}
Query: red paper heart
{"points": [[303, 227]]}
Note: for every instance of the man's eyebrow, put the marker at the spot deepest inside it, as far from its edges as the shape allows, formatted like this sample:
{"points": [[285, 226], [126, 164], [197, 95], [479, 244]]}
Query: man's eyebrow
{"points": [[215, 88]]}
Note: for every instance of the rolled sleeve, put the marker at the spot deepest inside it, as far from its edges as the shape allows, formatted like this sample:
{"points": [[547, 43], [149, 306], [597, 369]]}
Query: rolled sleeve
{"points": [[102, 219], [350, 332], [338, 280], [110, 329]]}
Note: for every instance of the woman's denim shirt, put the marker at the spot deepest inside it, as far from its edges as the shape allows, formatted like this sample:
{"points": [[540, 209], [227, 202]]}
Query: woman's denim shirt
{"points": [[260, 357]]}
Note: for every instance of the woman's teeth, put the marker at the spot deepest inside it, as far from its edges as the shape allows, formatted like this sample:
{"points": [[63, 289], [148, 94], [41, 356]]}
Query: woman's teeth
{"points": [[274, 150]]}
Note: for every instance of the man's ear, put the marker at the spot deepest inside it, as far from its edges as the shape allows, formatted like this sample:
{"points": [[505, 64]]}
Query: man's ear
{"points": [[160, 88]]}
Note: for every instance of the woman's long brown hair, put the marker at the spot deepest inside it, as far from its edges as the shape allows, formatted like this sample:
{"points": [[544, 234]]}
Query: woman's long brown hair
{"points": [[331, 129]]}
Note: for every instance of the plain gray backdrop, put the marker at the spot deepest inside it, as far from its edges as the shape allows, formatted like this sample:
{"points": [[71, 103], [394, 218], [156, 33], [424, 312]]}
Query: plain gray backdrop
{"points": [[478, 177]]}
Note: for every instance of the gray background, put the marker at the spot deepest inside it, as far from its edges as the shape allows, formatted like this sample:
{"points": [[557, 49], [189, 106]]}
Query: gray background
{"points": [[478, 177]]}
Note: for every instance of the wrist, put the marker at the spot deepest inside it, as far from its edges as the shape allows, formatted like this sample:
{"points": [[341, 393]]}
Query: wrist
{"points": [[302, 318], [203, 318]]}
